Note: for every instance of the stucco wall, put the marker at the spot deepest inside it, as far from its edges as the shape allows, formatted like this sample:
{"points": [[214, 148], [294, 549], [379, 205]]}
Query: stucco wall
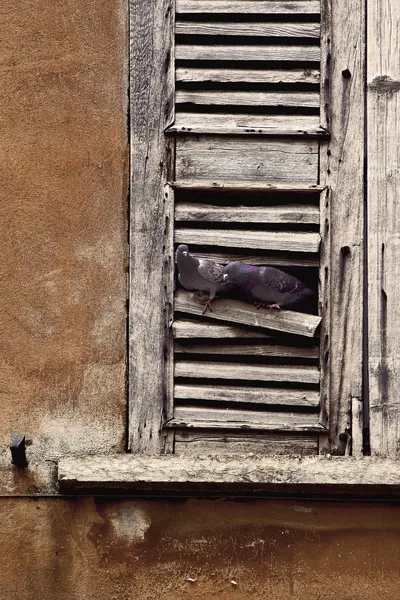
{"points": [[131, 550], [63, 156]]}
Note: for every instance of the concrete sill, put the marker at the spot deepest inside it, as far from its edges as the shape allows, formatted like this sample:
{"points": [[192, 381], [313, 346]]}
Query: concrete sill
{"points": [[249, 475]]}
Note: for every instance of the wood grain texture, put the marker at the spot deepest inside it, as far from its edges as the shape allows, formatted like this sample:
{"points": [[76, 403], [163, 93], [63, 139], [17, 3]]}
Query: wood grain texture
{"points": [[226, 98], [342, 168], [245, 313], [185, 329], [226, 158], [253, 349], [236, 473], [247, 372], [247, 186], [248, 7], [250, 125], [254, 240], [383, 225], [293, 260], [324, 305], [213, 418], [152, 85], [267, 396], [202, 443], [283, 29], [357, 427], [251, 52], [289, 213], [218, 75]]}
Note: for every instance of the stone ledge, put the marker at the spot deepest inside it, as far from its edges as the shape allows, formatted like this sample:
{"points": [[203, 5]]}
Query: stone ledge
{"points": [[230, 475]]}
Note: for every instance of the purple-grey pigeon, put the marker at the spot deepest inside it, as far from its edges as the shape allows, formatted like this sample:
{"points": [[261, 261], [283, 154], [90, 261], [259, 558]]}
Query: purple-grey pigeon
{"points": [[200, 275], [267, 286]]}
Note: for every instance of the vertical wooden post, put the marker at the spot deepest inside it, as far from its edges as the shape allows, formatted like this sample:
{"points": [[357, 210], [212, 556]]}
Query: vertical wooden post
{"points": [[383, 138], [342, 169], [151, 259]]}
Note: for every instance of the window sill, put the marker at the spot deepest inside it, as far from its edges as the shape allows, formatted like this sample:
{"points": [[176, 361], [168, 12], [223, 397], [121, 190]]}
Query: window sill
{"points": [[233, 475]]}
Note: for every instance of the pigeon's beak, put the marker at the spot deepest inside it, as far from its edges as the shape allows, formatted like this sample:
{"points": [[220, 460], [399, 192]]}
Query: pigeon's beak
{"points": [[184, 253], [225, 277]]}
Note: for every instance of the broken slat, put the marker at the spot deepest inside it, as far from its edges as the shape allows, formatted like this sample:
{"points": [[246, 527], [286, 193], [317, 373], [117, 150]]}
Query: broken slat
{"points": [[271, 396], [227, 98], [247, 372], [283, 29], [212, 418], [293, 213], [256, 240], [199, 75], [237, 311], [257, 349], [196, 443], [185, 329], [251, 52], [248, 7], [242, 124]]}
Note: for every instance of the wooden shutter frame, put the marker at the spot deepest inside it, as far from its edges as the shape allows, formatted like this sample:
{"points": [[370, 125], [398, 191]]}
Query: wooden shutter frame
{"points": [[149, 411]]}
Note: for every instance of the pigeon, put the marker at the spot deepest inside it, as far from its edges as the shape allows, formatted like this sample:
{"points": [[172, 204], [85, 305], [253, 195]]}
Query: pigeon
{"points": [[200, 275], [267, 286]]}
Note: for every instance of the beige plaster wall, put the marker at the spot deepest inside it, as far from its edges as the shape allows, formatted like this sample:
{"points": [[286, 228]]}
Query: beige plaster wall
{"points": [[63, 174], [90, 549]]}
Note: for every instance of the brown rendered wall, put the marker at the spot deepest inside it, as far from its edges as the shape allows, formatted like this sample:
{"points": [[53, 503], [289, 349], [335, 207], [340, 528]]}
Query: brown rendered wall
{"points": [[63, 156]]}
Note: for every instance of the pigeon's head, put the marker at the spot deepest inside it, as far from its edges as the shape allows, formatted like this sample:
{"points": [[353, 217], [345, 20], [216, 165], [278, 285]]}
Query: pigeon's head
{"points": [[182, 250], [231, 272]]}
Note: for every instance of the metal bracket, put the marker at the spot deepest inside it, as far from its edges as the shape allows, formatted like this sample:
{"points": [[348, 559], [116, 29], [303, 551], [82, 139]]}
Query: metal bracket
{"points": [[17, 447]]}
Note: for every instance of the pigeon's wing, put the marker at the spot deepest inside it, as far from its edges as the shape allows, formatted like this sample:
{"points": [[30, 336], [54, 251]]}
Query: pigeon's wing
{"points": [[210, 271], [280, 281]]}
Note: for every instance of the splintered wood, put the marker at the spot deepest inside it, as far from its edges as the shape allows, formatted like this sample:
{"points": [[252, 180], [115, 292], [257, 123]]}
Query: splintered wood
{"points": [[236, 311]]}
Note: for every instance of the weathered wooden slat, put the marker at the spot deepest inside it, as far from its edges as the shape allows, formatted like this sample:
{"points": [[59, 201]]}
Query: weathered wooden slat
{"points": [[219, 370], [245, 313], [184, 329], [248, 350], [230, 474], [297, 260], [252, 52], [290, 213], [248, 7], [246, 186], [251, 395], [197, 443], [342, 168], [151, 93], [201, 75], [383, 193], [249, 125], [249, 159], [213, 418], [303, 30], [227, 98], [255, 240]]}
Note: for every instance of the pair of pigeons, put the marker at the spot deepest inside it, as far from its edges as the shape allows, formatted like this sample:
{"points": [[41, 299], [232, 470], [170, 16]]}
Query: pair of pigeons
{"points": [[264, 286]]}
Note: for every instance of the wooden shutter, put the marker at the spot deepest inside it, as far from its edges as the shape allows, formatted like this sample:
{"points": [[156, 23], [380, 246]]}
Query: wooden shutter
{"points": [[230, 155], [247, 66]]}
